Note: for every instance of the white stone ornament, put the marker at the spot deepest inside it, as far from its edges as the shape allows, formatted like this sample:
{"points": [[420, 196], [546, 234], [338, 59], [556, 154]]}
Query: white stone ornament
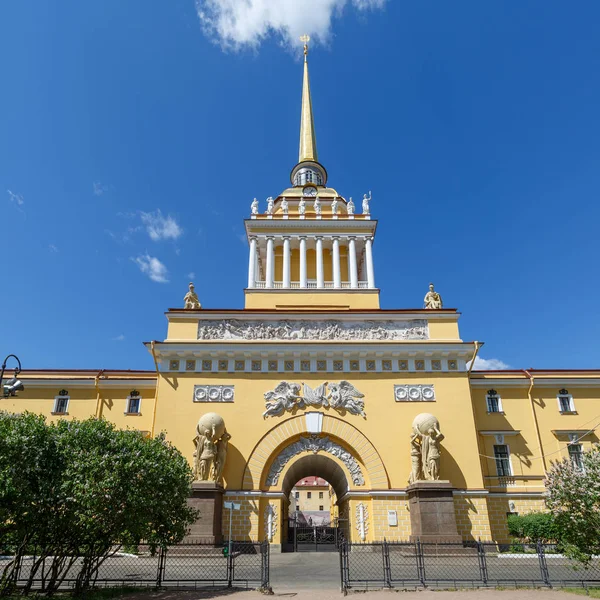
{"points": [[342, 396], [270, 521], [350, 206], [362, 523], [432, 300], [284, 206], [213, 393], [414, 392], [302, 207], [303, 330], [254, 207], [315, 445], [270, 205], [334, 206]]}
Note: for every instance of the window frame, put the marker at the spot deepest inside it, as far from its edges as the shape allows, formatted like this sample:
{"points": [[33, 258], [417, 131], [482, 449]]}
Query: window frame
{"points": [[320, 495], [573, 445], [508, 459], [321, 507], [133, 396], [564, 394], [493, 394], [59, 398], [309, 494]]}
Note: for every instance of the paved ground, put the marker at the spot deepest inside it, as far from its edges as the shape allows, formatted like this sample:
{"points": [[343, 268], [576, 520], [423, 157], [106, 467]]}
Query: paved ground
{"points": [[324, 594], [305, 570]]}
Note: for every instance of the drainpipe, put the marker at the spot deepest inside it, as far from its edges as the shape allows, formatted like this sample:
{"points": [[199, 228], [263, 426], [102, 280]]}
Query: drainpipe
{"points": [[152, 344], [97, 386], [475, 353], [535, 421]]}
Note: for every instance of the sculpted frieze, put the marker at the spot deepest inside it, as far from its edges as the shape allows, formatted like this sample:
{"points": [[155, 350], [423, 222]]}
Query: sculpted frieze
{"points": [[296, 330], [286, 397], [315, 445]]}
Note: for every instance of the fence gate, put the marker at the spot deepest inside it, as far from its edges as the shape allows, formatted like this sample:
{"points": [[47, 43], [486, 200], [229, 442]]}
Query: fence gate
{"points": [[303, 537]]}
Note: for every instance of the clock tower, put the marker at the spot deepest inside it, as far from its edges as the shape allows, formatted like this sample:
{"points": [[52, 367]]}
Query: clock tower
{"points": [[310, 249]]}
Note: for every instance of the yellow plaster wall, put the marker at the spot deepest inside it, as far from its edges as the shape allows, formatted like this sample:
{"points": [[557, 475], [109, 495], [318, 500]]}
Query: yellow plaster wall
{"points": [[379, 518], [387, 427], [498, 507], [311, 300], [444, 329], [472, 519], [246, 522]]}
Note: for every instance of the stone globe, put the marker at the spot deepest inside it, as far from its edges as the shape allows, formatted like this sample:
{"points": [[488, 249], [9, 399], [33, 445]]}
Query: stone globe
{"points": [[424, 422], [210, 420]]}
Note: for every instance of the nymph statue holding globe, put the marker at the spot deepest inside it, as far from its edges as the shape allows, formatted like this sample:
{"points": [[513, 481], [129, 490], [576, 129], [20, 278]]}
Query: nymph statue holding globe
{"points": [[425, 448], [211, 448]]}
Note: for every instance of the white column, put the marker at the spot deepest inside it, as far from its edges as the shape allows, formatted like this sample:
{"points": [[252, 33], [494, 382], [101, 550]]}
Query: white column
{"points": [[303, 281], [337, 278], [252, 263], [320, 273], [286, 262], [352, 263], [369, 261], [270, 263]]}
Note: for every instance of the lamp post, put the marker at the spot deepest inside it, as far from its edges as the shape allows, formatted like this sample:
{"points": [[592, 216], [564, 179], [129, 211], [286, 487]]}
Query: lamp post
{"points": [[12, 385]]}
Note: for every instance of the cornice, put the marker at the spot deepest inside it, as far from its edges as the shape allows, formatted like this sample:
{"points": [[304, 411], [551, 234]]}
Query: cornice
{"points": [[326, 225], [88, 383]]}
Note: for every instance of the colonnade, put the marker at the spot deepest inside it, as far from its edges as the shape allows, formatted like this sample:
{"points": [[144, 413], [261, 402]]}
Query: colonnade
{"points": [[263, 248]]}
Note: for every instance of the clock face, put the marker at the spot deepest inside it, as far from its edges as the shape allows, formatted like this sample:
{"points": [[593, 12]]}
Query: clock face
{"points": [[309, 191]]}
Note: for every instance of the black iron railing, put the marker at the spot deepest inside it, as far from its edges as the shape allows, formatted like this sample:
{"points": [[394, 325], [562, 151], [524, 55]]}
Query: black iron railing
{"points": [[475, 564]]}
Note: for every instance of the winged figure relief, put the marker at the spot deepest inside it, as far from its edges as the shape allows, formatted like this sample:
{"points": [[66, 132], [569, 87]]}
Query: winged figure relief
{"points": [[283, 398], [344, 395], [316, 397]]}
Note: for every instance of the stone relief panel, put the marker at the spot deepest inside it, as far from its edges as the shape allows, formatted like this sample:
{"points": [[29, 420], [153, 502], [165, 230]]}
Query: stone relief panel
{"points": [[286, 397], [315, 445], [270, 522], [285, 330], [362, 520], [213, 393], [414, 393]]}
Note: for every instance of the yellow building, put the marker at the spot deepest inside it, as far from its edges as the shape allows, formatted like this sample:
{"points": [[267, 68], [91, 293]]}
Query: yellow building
{"points": [[312, 378]]}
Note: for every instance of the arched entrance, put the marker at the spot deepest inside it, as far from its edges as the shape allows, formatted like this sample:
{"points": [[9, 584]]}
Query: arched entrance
{"points": [[303, 534]]}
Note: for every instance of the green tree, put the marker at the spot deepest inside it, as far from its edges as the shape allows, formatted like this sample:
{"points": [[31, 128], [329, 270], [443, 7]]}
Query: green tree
{"points": [[574, 500], [90, 489], [533, 527]]}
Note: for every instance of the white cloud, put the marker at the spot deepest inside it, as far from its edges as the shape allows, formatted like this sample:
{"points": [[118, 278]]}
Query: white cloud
{"points": [[52, 248], [119, 338], [246, 23], [151, 266], [159, 227], [99, 188], [488, 364], [16, 198], [191, 275]]}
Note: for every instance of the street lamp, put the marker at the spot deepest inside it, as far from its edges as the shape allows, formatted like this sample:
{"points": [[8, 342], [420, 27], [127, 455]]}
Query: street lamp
{"points": [[13, 385]]}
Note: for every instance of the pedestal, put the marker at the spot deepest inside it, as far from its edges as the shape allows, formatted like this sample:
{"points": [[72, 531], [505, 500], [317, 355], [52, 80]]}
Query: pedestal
{"points": [[207, 497], [432, 516]]}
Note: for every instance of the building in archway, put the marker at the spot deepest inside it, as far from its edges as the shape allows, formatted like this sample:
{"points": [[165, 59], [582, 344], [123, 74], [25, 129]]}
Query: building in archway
{"points": [[312, 378]]}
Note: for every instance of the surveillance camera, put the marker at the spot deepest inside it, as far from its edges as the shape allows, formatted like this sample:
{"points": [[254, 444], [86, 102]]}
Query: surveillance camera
{"points": [[13, 386]]}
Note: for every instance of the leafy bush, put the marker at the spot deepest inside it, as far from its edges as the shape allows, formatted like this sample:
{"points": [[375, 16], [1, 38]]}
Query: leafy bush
{"points": [[574, 500], [81, 489], [533, 527]]}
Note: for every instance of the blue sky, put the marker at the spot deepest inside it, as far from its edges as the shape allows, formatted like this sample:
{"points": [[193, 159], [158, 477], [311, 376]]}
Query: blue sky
{"points": [[136, 132]]}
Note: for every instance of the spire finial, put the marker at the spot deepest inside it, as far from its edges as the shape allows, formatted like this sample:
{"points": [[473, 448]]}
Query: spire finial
{"points": [[308, 141], [305, 39]]}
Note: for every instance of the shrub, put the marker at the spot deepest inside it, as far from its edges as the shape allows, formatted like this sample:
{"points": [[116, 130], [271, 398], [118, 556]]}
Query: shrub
{"points": [[533, 527]]}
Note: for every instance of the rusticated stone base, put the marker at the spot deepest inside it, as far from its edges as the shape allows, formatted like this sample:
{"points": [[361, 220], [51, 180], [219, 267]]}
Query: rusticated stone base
{"points": [[207, 497], [432, 516]]}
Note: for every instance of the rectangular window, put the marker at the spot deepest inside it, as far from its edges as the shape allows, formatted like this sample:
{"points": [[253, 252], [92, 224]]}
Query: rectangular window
{"points": [[297, 494], [565, 404], [61, 404], [308, 494], [321, 507], [494, 403], [502, 457], [133, 405], [320, 495], [576, 455]]}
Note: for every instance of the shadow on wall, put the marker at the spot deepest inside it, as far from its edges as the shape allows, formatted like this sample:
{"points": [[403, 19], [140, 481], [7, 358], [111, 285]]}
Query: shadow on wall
{"points": [[450, 470], [235, 465]]}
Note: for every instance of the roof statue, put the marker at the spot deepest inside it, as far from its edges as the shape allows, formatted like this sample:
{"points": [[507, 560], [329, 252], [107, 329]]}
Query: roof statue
{"points": [[284, 206], [365, 204], [190, 300], [432, 299], [254, 207], [350, 206], [270, 205]]}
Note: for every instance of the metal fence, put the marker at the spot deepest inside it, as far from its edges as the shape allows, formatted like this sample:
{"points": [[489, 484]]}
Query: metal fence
{"points": [[183, 565], [467, 564]]}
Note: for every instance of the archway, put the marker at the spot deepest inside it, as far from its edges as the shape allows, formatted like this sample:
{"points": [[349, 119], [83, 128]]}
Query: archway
{"points": [[316, 474]]}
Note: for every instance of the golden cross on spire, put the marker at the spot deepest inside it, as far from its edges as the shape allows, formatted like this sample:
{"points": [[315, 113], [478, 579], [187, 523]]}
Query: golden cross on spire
{"points": [[305, 39]]}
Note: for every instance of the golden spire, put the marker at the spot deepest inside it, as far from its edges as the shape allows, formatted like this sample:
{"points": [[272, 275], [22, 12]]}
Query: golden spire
{"points": [[308, 141]]}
